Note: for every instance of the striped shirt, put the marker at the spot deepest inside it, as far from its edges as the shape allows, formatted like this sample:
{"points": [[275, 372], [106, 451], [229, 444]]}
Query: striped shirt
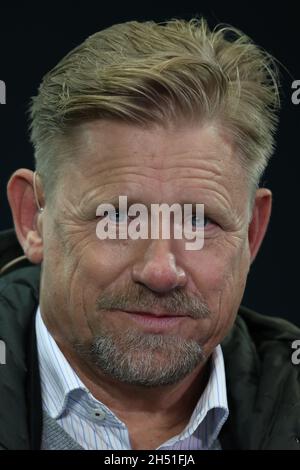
{"points": [[94, 426]]}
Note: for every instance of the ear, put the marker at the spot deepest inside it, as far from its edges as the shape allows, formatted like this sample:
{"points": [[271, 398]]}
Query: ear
{"points": [[26, 216], [260, 219]]}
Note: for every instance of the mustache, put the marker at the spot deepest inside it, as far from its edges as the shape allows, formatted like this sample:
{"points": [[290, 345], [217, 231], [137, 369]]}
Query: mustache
{"points": [[177, 302]]}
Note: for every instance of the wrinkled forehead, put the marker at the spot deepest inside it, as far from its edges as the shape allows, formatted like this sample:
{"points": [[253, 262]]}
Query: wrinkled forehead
{"points": [[154, 161], [114, 143]]}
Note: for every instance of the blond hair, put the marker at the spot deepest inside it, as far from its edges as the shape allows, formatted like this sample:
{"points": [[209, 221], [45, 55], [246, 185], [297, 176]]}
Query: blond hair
{"points": [[156, 73]]}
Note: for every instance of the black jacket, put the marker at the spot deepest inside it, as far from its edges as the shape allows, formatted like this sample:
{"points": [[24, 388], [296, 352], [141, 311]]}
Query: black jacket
{"points": [[263, 385]]}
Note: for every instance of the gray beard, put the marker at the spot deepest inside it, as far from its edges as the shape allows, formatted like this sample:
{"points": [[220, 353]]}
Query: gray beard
{"points": [[148, 360]]}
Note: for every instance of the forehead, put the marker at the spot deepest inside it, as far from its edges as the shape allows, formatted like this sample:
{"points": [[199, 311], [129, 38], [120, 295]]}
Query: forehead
{"points": [[106, 142], [116, 155]]}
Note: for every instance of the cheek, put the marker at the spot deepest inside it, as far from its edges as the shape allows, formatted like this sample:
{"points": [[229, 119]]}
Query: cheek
{"points": [[101, 263], [100, 268], [221, 276], [221, 281]]}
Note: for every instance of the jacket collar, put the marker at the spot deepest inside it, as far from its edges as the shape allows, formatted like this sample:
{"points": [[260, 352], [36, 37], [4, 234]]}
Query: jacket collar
{"points": [[20, 407]]}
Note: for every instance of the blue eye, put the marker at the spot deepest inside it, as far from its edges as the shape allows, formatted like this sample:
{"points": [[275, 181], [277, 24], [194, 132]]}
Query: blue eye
{"points": [[199, 222], [118, 217]]}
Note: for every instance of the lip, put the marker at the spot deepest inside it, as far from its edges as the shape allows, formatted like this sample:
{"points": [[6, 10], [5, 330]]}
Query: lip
{"points": [[158, 313], [156, 321]]}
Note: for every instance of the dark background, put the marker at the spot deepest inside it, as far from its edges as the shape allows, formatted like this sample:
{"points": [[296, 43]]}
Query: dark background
{"points": [[33, 39]]}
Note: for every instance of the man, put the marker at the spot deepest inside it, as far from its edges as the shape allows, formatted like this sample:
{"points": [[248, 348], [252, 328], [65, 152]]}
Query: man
{"points": [[131, 342]]}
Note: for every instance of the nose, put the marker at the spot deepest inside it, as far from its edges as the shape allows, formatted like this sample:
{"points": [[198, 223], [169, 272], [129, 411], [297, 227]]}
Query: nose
{"points": [[158, 269]]}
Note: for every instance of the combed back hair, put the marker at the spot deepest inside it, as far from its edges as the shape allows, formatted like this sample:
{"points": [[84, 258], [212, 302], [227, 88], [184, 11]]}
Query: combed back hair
{"points": [[146, 73]]}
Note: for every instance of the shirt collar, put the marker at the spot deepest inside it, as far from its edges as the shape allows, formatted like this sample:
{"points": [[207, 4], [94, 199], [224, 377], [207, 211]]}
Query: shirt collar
{"points": [[213, 401], [211, 410], [58, 379]]}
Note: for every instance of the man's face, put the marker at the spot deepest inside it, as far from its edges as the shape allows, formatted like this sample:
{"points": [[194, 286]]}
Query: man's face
{"points": [[89, 286]]}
